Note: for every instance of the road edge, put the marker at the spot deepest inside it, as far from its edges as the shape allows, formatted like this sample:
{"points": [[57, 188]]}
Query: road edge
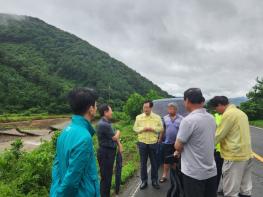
{"points": [[256, 127]]}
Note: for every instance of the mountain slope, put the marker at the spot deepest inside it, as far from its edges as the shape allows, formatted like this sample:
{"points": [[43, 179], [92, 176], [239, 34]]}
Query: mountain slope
{"points": [[40, 63], [238, 100]]}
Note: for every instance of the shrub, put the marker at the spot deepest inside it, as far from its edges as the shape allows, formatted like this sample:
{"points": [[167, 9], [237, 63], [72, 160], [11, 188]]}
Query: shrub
{"points": [[120, 116], [254, 106], [26, 173], [133, 106]]}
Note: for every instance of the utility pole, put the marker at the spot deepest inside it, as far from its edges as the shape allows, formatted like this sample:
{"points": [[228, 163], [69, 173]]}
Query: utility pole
{"points": [[109, 91]]}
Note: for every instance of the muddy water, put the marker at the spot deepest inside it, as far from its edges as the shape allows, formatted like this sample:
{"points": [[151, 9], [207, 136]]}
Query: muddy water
{"points": [[40, 127], [40, 124]]}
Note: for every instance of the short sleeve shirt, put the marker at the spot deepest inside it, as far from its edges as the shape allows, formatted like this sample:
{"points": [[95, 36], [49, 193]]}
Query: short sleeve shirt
{"points": [[197, 133], [171, 128], [105, 132]]}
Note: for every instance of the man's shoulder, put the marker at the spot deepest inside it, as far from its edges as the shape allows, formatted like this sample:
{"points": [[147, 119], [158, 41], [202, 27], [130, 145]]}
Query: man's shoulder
{"points": [[103, 123], [74, 129], [232, 112], [189, 121], [235, 114], [180, 116], [154, 115], [187, 118], [185, 122], [140, 116], [75, 135], [239, 111], [210, 116], [166, 116]]}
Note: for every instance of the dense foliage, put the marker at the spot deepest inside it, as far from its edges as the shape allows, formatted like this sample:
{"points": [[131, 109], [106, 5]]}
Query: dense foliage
{"points": [[26, 174], [40, 63], [254, 106], [29, 173], [133, 105]]}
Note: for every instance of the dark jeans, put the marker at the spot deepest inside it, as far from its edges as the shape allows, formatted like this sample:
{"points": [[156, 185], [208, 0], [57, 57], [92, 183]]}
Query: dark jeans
{"points": [[200, 188], [106, 158], [219, 164], [159, 155], [148, 150]]}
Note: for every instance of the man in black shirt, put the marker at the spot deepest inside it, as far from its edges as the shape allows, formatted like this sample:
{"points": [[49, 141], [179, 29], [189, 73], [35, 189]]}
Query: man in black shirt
{"points": [[108, 142]]}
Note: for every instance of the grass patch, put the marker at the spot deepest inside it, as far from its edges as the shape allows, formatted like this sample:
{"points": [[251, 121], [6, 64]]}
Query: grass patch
{"points": [[130, 152], [257, 123]]}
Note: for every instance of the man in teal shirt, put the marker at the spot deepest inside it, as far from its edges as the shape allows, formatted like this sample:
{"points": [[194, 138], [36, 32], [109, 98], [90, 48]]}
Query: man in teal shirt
{"points": [[74, 172]]}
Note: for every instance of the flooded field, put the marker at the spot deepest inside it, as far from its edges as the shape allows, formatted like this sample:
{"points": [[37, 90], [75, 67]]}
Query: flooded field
{"points": [[32, 132]]}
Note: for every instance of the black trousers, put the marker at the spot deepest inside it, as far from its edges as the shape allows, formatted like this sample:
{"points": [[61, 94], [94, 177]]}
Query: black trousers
{"points": [[200, 188], [148, 151], [219, 164], [106, 158]]}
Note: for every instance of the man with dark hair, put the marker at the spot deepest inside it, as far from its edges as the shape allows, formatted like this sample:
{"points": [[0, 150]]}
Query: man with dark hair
{"points": [[74, 170], [218, 100], [148, 125], [233, 134], [108, 142], [150, 102], [195, 144]]}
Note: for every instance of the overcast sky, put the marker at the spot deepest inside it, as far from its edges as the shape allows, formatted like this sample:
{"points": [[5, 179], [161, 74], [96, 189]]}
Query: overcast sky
{"points": [[214, 45]]}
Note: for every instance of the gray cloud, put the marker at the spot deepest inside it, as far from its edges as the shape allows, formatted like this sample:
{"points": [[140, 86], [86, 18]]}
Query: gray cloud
{"points": [[216, 45]]}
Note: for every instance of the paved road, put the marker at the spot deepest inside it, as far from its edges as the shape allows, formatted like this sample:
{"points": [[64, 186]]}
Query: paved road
{"points": [[257, 144], [257, 140]]}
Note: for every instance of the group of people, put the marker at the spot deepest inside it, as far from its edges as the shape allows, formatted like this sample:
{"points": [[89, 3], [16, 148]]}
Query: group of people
{"points": [[74, 170], [187, 141]]}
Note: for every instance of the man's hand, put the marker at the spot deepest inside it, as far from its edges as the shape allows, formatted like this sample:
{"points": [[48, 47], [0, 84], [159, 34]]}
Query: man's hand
{"points": [[148, 129], [178, 146], [177, 154], [120, 148], [117, 135]]}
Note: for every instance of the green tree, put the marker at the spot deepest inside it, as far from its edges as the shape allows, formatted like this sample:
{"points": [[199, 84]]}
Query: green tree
{"points": [[254, 106], [153, 95], [133, 106]]}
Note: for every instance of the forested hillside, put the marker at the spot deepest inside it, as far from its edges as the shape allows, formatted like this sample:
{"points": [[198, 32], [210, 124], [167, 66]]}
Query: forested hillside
{"points": [[40, 63]]}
